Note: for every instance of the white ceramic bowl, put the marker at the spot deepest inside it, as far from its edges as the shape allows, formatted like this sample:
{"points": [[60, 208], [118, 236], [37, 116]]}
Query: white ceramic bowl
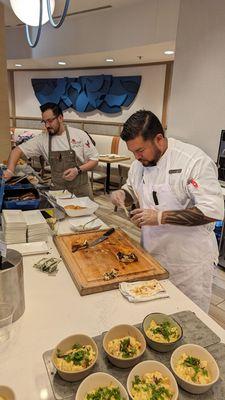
{"points": [[65, 345], [118, 332], [99, 379], [199, 352], [7, 393], [90, 206], [152, 366], [159, 318]]}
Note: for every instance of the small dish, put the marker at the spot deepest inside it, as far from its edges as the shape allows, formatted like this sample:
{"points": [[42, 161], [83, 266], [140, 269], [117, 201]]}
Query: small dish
{"points": [[6, 393], [118, 332], [99, 379], [201, 353], [88, 206], [67, 344], [159, 318], [151, 366]]}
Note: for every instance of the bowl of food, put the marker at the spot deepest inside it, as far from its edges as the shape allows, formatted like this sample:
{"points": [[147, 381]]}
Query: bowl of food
{"points": [[195, 368], [74, 357], [6, 393], [162, 332], [78, 206], [124, 345], [151, 380], [101, 386]]}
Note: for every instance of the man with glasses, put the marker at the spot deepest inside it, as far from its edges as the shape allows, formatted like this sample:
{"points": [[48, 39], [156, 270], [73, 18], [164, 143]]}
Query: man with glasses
{"points": [[69, 151]]}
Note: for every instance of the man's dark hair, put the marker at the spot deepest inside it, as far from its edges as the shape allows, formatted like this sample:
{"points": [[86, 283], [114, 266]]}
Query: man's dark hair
{"points": [[143, 123], [57, 111]]}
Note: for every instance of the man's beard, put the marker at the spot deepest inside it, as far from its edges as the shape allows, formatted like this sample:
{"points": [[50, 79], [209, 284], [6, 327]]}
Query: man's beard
{"points": [[52, 131], [152, 163]]}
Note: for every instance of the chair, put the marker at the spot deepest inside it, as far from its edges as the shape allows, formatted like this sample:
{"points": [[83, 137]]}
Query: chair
{"points": [[96, 176]]}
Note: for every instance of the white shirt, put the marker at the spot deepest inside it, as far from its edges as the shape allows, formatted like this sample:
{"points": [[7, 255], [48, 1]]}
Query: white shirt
{"points": [[79, 140], [193, 178]]}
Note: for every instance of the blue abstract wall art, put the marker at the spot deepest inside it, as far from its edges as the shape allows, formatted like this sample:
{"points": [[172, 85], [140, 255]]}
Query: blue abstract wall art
{"points": [[106, 93]]}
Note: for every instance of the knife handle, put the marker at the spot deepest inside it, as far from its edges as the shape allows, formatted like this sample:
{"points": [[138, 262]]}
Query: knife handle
{"points": [[109, 232]]}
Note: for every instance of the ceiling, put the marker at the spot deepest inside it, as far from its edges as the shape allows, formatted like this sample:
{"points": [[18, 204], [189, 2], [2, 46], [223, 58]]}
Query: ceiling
{"points": [[134, 55]]}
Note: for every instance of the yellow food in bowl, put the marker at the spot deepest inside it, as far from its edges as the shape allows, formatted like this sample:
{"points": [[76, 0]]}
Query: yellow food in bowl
{"points": [[76, 359], [193, 369], [152, 386], [2, 398], [105, 393], [126, 347], [162, 333]]}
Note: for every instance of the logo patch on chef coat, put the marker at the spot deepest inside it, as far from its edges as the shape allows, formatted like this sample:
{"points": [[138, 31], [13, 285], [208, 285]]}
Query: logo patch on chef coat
{"points": [[87, 144], [175, 171], [75, 142], [192, 182]]}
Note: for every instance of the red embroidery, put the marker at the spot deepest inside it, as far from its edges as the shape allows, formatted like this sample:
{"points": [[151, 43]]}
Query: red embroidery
{"points": [[194, 183], [73, 141], [87, 143]]}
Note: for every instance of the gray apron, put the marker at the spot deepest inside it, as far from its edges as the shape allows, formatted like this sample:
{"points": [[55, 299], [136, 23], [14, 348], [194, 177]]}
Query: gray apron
{"points": [[60, 161]]}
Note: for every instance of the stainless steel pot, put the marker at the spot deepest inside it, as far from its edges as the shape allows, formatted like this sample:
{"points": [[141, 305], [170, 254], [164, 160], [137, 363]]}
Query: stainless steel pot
{"points": [[12, 282]]}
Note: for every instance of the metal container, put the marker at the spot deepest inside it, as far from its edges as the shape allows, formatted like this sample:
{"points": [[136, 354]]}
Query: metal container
{"points": [[12, 282]]}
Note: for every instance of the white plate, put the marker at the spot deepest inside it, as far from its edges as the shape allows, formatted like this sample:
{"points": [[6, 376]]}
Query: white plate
{"points": [[90, 206], [26, 249], [76, 224], [59, 194]]}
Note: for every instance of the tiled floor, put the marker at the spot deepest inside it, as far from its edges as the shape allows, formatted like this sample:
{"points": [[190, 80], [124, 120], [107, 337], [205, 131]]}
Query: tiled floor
{"points": [[106, 212]]}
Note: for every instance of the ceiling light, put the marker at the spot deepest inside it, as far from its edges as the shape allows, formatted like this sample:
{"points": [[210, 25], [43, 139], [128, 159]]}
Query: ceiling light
{"points": [[61, 62], [109, 60], [169, 52], [37, 13], [18, 65]]}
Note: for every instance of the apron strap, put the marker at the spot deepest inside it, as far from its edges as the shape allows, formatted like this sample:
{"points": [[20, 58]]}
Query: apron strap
{"points": [[68, 137], [49, 146]]}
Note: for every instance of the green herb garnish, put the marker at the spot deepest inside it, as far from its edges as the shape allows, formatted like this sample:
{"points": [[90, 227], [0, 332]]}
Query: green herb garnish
{"points": [[105, 393], [164, 329], [195, 364], [126, 349]]}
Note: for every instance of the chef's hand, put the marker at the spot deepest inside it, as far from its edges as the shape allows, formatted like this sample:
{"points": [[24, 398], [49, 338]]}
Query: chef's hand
{"points": [[118, 197], [70, 174], [142, 217], [7, 174]]}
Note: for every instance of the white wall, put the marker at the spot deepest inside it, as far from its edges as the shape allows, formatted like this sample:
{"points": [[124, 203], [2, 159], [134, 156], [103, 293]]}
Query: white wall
{"points": [[150, 95], [197, 104]]}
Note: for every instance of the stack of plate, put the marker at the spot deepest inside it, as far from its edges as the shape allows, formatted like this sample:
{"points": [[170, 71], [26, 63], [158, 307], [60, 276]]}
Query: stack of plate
{"points": [[14, 226], [37, 227]]}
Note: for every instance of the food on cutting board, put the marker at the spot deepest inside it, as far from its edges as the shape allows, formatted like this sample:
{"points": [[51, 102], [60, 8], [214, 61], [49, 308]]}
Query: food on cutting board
{"points": [[193, 369], [126, 257], [125, 347], [104, 393], [152, 386], [73, 207], [162, 333], [78, 358], [79, 246], [107, 276]]}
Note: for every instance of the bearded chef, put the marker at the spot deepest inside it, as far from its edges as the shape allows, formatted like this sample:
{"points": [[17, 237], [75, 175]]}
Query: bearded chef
{"points": [[178, 198]]}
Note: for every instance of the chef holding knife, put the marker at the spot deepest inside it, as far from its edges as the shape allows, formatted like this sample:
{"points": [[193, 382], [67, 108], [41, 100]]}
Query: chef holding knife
{"points": [[175, 188]]}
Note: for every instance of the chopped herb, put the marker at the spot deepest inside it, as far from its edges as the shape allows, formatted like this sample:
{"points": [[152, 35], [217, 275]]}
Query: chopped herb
{"points": [[105, 393], [164, 329], [195, 364], [127, 349], [79, 355]]}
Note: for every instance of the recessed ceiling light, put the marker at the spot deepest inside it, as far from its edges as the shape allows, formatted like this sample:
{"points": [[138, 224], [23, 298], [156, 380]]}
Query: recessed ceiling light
{"points": [[61, 62], [18, 65], [109, 60], [169, 52]]}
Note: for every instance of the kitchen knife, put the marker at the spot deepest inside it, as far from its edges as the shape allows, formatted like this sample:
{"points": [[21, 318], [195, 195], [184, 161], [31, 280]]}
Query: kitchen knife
{"points": [[103, 237]]}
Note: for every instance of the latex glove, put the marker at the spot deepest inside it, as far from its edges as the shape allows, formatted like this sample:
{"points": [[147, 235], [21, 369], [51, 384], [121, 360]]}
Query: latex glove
{"points": [[70, 174], [118, 197], [7, 174], [142, 217]]}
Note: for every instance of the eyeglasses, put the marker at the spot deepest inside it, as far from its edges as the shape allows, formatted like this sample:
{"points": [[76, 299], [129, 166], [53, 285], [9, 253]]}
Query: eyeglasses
{"points": [[48, 121]]}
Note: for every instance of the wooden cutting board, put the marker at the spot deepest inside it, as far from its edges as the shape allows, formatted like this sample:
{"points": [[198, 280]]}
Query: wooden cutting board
{"points": [[88, 266]]}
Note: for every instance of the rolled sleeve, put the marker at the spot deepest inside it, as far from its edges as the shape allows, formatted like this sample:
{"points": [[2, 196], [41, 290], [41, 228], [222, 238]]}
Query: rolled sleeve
{"points": [[204, 189], [90, 151]]}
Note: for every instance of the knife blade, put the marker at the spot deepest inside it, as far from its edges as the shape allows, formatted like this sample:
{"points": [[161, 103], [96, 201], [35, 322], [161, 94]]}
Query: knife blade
{"points": [[101, 238]]}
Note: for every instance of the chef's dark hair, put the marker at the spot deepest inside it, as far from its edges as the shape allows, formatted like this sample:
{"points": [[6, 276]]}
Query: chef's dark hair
{"points": [[57, 111], [143, 123]]}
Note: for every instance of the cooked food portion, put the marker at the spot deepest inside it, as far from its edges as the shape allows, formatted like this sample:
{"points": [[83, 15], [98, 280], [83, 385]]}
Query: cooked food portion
{"points": [[73, 207], [193, 369], [126, 257], [2, 398], [104, 393], [126, 347], [75, 359], [152, 386], [79, 246], [27, 196], [162, 333], [110, 274], [148, 288]]}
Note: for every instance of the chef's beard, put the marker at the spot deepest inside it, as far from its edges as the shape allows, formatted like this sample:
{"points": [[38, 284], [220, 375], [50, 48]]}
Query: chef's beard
{"points": [[52, 131], [152, 163]]}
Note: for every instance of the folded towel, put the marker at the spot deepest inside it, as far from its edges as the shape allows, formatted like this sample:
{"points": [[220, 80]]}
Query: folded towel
{"points": [[142, 291]]}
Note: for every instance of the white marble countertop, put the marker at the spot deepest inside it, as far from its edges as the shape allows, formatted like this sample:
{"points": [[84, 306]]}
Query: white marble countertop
{"points": [[54, 309]]}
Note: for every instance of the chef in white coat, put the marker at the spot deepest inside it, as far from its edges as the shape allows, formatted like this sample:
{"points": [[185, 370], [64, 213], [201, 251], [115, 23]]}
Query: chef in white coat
{"points": [[178, 198]]}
